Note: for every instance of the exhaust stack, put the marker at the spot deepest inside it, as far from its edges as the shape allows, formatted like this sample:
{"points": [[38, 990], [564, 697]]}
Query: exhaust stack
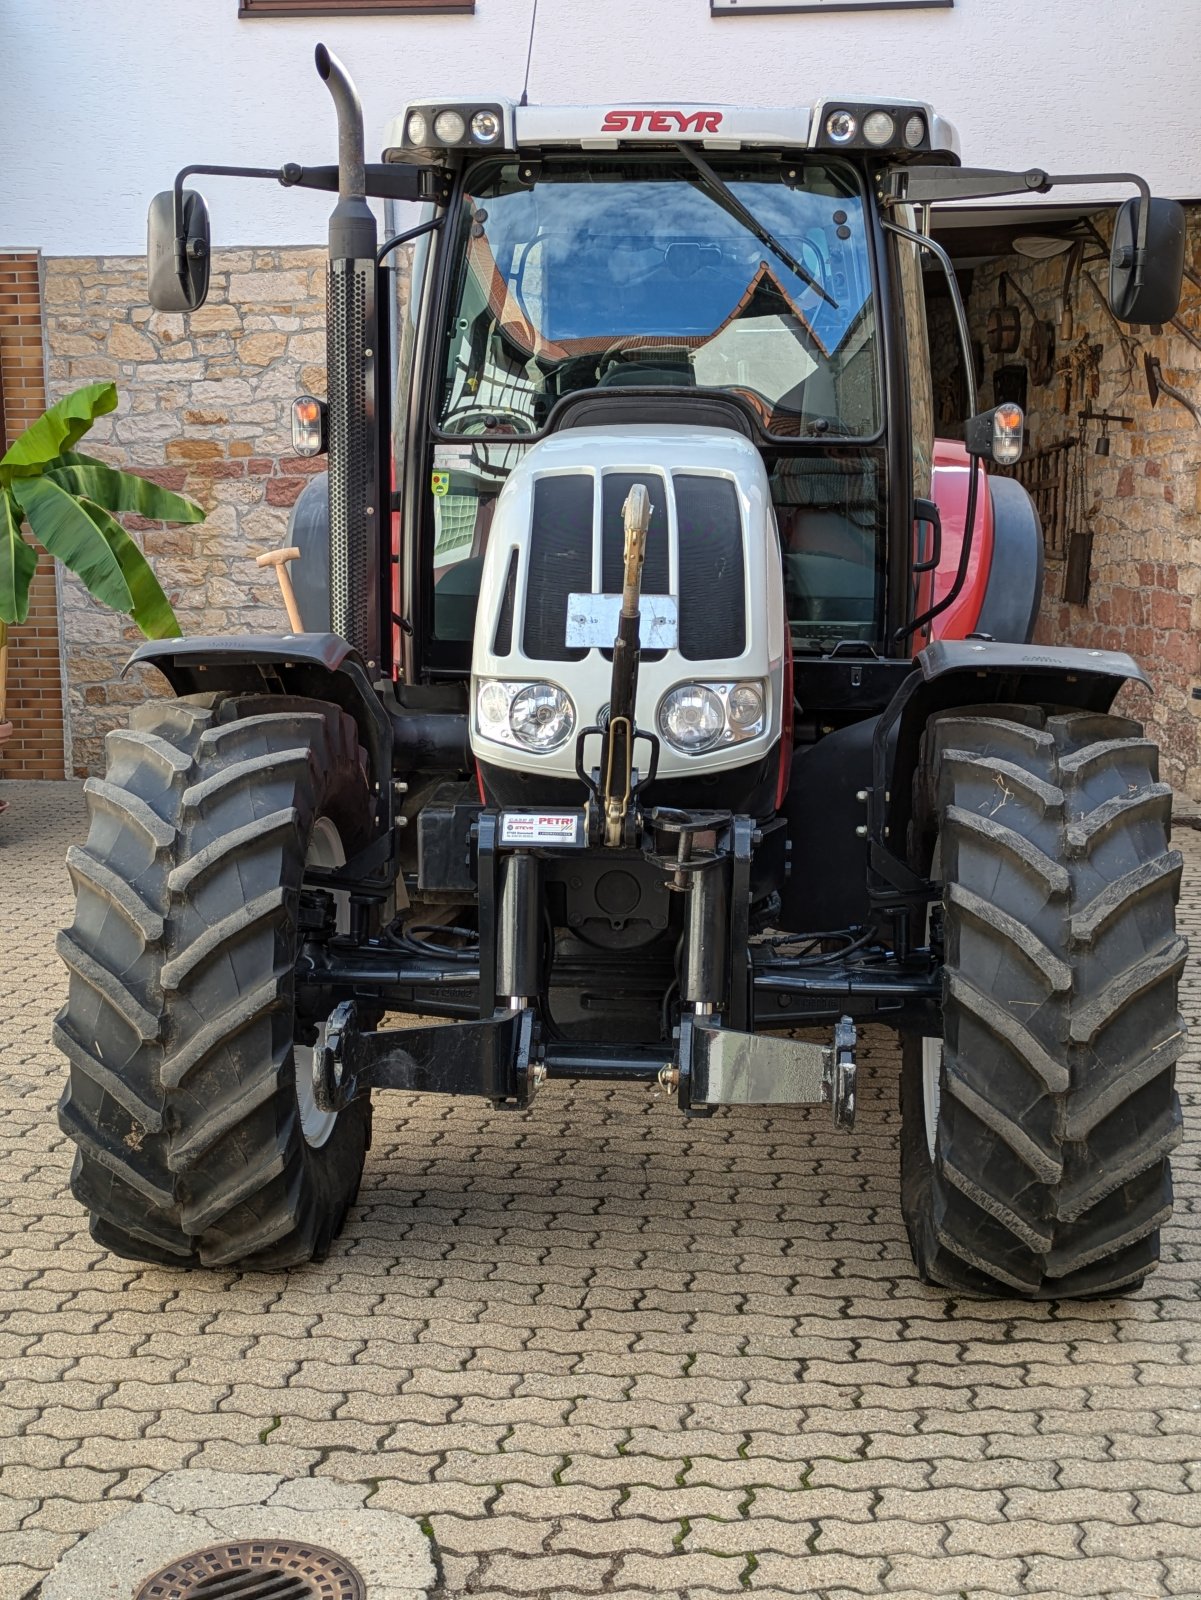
{"points": [[352, 350]]}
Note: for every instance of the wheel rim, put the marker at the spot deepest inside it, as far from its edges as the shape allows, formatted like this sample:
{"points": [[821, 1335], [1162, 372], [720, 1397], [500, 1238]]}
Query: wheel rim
{"points": [[325, 850], [931, 1088], [931, 1044]]}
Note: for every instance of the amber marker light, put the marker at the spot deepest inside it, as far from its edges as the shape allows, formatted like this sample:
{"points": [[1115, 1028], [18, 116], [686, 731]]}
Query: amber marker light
{"points": [[1009, 426], [308, 426]]}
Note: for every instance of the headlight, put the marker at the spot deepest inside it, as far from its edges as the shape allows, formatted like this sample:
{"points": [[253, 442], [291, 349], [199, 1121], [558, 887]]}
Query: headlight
{"points": [[541, 717], [879, 128], [745, 708], [691, 718], [417, 129], [695, 717], [841, 126], [486, 127], [449, 127], [529, 716], [915, 130]]}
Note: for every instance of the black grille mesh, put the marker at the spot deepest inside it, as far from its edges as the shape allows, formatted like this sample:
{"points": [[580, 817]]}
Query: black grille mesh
{"points": [[712, 570], [560, 563], [350, 452], [502, 644]]}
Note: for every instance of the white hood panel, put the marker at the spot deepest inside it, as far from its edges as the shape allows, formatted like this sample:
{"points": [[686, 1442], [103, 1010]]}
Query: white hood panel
{"points": [[668, 454]]}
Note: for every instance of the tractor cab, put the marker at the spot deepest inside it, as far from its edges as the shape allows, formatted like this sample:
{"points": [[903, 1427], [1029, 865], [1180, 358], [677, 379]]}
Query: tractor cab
{"points": [[649, 267]]}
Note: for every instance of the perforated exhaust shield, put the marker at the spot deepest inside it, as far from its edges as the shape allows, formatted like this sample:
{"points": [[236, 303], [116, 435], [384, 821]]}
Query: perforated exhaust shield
{"points": [[354, 506]]}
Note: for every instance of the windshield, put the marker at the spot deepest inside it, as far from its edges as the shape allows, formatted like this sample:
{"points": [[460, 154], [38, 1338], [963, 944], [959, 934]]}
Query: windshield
{"points": [[633, 272]]}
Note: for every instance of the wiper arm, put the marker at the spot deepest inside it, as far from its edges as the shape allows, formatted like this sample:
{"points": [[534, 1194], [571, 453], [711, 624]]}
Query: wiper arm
{"points": [[725, 196]]}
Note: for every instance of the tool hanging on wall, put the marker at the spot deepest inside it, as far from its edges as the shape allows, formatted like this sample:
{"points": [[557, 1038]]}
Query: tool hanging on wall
{"points": [[1157, 384], [1004, 323], [1107, 419], [1040, 350], [1075, 256], [1130, 346], [1080, 369], [1078, 534]]}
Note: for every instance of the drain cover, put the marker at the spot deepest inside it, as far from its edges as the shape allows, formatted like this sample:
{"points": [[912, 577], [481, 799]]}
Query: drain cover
{"points": [[256, 1569]]}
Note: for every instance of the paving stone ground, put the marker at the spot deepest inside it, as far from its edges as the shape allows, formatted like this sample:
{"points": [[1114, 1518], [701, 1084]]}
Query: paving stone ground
{"points": [[599, 1349]]}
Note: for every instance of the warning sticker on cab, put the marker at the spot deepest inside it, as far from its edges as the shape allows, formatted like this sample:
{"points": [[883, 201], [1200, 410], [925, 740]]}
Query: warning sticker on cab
{"points": [[543, 828]]}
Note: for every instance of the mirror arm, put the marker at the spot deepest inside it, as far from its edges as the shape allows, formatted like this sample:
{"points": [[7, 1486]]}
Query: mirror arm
{"points": [[936, 185], [405, 238], [383, 179], [965, 338], [181, 238]]}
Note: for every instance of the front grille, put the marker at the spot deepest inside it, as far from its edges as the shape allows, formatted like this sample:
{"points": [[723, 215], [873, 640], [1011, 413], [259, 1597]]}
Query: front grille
{"points": [[711, 562], [560, 564], [712, 570]]}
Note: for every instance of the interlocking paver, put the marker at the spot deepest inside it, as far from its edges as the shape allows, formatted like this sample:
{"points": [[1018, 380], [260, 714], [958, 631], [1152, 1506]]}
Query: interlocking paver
{"points": [[600, 1348]]}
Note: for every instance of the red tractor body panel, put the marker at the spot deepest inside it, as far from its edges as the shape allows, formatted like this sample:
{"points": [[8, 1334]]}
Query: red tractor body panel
{"points": [[951, 481]]}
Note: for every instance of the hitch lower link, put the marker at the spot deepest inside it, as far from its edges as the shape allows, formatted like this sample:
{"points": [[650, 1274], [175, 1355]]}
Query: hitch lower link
{"points": [[496, 1057], [720, 1066]]}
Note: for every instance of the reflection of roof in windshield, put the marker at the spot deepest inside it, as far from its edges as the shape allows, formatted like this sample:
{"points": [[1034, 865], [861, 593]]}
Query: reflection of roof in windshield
{"points": [[517, 327], [603, 253]]}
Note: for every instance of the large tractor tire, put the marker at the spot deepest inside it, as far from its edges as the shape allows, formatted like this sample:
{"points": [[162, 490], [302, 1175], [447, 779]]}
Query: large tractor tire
{"points": [[1036, 1132], [190, 1096]]}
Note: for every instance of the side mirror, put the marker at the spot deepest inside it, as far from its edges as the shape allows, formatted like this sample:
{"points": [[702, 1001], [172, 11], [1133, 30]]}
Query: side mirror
{"points": [[177, 271], [1145, 284]]}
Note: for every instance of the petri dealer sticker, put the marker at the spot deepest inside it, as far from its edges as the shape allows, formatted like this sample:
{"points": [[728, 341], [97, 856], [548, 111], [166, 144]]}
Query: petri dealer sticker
{"points": [[542, 828]]}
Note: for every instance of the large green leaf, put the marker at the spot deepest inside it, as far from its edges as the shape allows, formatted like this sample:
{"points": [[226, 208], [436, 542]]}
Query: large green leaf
{"points": [[151, 609], [120, 491], [18, 561], [58, 429], [73, 538]]}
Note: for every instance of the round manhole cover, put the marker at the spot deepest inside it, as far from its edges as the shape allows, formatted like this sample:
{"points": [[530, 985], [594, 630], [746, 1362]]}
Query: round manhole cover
{"points": [[256, 1569]]}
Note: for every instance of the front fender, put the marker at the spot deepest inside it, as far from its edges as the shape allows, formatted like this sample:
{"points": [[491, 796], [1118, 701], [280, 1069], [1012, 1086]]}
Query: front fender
{"points": [[972, 672], [318, 666]]}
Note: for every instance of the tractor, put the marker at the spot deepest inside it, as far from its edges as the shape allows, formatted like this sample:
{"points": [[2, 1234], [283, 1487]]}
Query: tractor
{"points": [[662, 708]]}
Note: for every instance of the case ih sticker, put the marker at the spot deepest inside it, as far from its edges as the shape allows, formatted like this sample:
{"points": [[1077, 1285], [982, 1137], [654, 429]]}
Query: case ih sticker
{"points": [[542, 827], [648, 121]]}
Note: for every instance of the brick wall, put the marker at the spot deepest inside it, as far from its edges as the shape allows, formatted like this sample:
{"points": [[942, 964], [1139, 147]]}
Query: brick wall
{"points": [[35, 703], [1142, 502], [203, 409]]}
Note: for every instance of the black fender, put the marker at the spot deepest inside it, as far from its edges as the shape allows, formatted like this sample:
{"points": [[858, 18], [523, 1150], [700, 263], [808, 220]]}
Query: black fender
{"points": [[1015, 578], [319, 666], [971, 672], [308, 531]]}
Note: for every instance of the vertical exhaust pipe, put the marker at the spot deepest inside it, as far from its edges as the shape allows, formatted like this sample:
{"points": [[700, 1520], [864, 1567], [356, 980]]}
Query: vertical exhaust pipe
{"points": [[352, 351]]}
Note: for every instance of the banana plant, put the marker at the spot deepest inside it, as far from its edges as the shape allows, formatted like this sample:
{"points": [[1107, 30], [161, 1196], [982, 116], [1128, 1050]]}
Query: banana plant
{"points": [[71, 502]]}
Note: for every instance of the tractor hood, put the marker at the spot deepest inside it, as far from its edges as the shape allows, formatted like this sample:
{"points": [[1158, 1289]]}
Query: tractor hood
{"points": [[712, 563]]}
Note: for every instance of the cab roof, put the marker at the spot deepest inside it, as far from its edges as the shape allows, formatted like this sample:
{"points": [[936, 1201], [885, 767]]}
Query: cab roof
{"points": [[917, 130]]}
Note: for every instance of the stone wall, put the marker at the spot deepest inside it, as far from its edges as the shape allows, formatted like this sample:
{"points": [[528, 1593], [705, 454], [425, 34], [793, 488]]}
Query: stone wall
{"points": [[203, 410], [1142, 502]]}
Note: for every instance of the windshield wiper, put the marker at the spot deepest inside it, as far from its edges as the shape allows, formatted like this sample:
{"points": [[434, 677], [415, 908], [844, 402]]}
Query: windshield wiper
{"points": [[725, 196]]}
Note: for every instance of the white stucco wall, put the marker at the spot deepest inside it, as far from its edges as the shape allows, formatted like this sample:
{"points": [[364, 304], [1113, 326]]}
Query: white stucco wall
{"points": [[104, 99]]}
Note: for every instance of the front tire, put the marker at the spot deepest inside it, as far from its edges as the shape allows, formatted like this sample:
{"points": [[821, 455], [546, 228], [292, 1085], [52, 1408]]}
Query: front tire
{"points": [[184, 1099], [1036, 1133]]}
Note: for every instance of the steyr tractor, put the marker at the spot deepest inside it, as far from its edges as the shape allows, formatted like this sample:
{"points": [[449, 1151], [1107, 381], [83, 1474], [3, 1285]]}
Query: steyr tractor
{"points": [[664, 708]]}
